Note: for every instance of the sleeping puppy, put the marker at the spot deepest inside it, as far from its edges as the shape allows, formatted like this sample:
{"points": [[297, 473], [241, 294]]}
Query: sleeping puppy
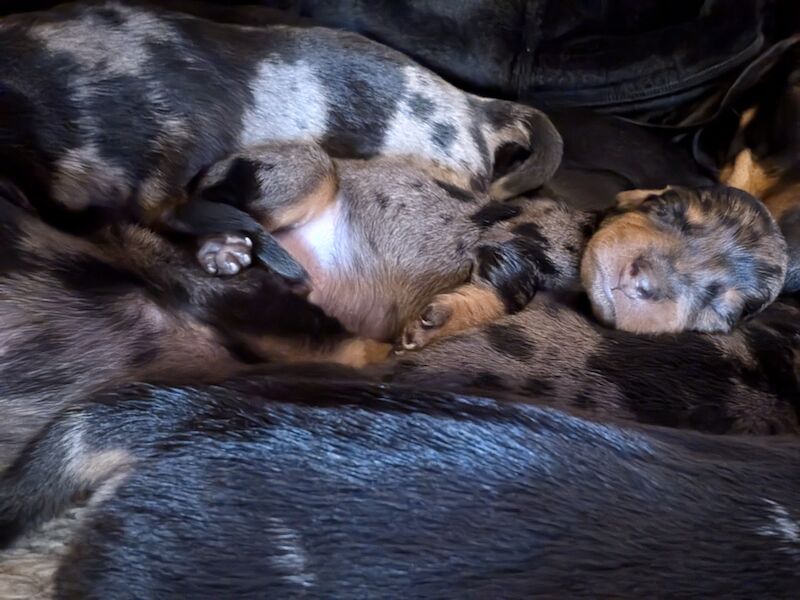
{"points": [[284, 487], [398, 248], [682, 259], [90, 133], [80, 314]]}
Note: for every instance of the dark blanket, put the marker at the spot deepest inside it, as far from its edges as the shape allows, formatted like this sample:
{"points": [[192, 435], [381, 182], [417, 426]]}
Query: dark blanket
{"points": [[621, 56]]}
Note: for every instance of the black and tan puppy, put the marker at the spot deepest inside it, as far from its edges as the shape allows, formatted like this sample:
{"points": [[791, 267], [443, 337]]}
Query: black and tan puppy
{"points": [[764, 156], [88, 129], [281, 487]]}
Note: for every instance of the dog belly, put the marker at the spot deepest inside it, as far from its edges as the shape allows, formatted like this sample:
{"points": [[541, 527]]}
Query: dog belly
{"points": [[342, 282]]}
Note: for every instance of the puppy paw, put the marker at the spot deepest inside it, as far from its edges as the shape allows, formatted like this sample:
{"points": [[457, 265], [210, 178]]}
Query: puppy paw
{"points": [[225, 254], [427, 327]]}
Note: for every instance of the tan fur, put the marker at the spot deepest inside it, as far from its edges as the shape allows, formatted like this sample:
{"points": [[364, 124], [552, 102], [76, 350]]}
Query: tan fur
{"points": [[308, 207], [748, 175], [467, 307]]}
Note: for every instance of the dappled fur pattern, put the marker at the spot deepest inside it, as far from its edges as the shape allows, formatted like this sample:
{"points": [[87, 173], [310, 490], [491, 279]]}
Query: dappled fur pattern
{"points": [[77, 314], [555, 353], [186, 92]]}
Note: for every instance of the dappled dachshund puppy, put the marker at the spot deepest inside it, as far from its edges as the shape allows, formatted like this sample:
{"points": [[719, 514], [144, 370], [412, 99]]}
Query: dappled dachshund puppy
{"points": [[285, 487], [79, 314], [683, 259], [764, 155], [554, 353], [396, 247], [108, 110]]}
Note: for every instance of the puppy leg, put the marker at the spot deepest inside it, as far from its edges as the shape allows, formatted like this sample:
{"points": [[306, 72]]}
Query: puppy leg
{"points": [[279, 185], [469, 306], [528, 246], [238, 200]]}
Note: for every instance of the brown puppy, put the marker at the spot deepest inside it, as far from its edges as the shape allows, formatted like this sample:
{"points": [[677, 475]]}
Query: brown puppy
{"points": [[396, 247], [385, 240]]}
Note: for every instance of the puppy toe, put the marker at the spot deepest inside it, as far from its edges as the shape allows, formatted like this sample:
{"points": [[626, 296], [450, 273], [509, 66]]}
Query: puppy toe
{"points": [[426, 328], [225, 254]]}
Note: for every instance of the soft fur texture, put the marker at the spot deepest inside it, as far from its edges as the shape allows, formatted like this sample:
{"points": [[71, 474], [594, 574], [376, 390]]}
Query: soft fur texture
{"points": [[186, 92], [294, 488]]}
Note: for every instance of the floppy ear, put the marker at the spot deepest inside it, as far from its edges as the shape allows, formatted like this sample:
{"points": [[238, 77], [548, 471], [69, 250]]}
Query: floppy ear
{"points": [[633, 198]]}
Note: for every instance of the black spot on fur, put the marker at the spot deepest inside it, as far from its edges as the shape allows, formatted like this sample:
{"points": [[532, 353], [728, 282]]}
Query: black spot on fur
{"points": [[508, 273], [421, 107], [530, 230], [362, 99], [443, 135], [455, 192], [707, 380], [489, 381], [498, 113], [533, 252], [537, 386], [583, 401], [510, 342], [494, 212], [383, 200]]}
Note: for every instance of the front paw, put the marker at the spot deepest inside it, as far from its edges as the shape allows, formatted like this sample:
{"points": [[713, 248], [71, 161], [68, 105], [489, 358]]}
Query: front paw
{"points": [[225, 254], [427, 327]]}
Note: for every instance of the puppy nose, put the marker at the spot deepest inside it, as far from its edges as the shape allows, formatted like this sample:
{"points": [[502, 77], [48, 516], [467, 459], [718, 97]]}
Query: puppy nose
{"points": [[639, 280]]}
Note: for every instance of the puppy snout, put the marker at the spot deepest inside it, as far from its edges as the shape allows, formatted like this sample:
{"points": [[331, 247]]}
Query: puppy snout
{"points": [[638, 280]]}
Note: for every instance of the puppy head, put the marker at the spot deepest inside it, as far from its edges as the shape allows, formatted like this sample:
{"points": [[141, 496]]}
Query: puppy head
{"points": [[683, 259]]}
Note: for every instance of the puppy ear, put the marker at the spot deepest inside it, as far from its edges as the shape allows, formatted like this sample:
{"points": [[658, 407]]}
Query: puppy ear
{"points": [[633, 198]]}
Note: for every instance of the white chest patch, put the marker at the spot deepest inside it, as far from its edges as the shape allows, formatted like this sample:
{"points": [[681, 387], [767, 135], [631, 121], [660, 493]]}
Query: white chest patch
{"points": [[288, 103], [322, 245]]}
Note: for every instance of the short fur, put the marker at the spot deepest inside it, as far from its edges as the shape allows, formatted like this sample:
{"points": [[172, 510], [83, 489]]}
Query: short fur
{"points": [[77, 314], [292, 488], [109, 109], [393, 242], [764, 156]]}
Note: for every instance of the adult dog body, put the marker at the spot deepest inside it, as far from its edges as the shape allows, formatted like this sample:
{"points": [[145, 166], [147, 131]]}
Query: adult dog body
{"points": [[291, 488]]}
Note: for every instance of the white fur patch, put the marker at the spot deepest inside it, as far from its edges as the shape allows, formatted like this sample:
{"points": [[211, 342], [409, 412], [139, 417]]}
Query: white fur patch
{"points": [[290, 557], [272, 117], [97, 44], [782, 526], [409, 134]]}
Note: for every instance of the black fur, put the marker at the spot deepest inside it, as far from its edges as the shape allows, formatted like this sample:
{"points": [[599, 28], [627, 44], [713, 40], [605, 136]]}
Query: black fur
{"points": [[326, 489]]}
